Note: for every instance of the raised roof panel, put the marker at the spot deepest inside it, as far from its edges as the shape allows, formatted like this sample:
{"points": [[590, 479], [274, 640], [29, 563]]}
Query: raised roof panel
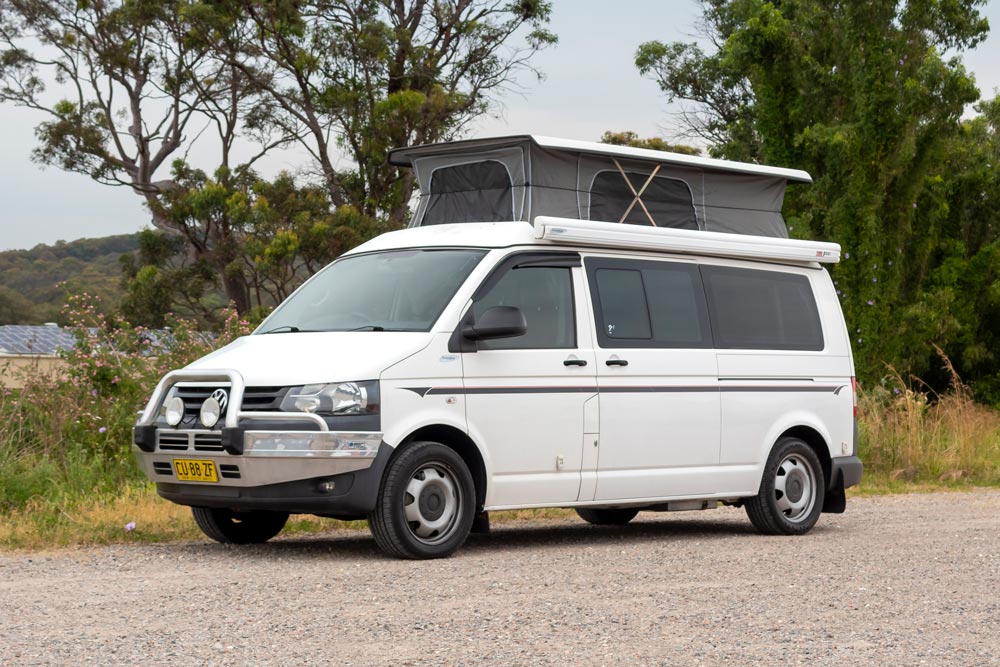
{"points": [[460, 182]]}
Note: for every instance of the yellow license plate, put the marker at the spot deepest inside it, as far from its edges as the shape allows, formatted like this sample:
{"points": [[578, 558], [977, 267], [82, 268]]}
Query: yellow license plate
{"points": [[195, 470]]}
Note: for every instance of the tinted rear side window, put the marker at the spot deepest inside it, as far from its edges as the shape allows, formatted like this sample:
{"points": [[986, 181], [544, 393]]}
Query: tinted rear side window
{"points": [[761, 310], [648, 304]]}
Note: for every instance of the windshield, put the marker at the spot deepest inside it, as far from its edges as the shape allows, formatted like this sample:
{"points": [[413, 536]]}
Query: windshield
{"points": [[401, 290]]}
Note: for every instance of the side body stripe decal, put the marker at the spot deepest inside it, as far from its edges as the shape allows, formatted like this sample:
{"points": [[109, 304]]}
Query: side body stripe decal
{"points": [[663, 389]]}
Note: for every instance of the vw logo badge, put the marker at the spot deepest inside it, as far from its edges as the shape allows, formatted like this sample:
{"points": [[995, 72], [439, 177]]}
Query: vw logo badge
{"points": [[222, 398]]}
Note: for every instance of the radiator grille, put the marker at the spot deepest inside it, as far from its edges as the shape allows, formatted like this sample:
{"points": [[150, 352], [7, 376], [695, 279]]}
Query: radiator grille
{"points": [[255, 399]]}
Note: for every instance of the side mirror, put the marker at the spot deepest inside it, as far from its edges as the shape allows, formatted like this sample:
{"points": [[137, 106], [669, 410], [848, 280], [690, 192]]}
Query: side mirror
{"points": [[497, 322]]}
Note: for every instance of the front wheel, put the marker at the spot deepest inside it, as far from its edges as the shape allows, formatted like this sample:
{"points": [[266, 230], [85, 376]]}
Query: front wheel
{"points": [[426, 504], [231, 527], [791, 492]]}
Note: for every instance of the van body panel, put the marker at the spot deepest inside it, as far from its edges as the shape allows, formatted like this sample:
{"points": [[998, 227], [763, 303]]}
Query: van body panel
{"points": [[659, 423], [408, 404], [297, 359]]}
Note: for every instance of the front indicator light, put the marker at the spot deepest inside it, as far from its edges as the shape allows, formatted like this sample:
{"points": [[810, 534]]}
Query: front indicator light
{"points": [[175, 410], [321, 444]]}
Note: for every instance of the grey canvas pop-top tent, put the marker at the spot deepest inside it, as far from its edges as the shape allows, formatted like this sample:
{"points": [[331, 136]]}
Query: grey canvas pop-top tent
{"points": [[521, 177]]}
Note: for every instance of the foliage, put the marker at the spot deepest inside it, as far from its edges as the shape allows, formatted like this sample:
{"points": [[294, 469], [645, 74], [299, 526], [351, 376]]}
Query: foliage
{"points": [[629, 138], [30, 279], [160, 277], [364, 76], [861, 95], [131, 84], [70, 428], [138, 83], [911, 435], [255, 238]]}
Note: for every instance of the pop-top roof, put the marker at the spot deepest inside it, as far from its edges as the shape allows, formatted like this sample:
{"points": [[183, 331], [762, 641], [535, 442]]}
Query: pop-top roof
{"points": [[404, 157], [523, 177]]}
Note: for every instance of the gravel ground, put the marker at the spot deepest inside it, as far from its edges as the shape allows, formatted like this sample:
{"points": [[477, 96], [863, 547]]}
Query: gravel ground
{"points": [[897, 580]]}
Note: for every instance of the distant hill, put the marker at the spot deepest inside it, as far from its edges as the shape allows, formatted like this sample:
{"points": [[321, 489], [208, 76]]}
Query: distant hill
{"points": [[29, 278]]}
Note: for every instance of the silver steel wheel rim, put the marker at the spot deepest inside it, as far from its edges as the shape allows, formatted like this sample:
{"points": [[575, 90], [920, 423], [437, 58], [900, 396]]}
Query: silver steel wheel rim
{"points": [[432, 503], [795, 488]]}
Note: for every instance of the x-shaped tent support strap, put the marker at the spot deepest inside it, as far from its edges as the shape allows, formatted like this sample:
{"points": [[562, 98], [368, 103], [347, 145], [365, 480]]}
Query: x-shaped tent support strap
{"points": [[637, 195]]}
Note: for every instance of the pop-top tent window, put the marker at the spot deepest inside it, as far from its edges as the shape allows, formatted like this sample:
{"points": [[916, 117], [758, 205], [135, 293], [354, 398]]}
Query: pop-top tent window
{"points": [[523, 177], [642, 199], [471, 192]]}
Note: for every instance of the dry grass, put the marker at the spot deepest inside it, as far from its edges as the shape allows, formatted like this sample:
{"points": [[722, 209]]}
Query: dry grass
{"points": [[915, 437], [102, 519], [910, 441]]}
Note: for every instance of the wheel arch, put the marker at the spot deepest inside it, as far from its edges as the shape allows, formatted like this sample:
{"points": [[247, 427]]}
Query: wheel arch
{"points": [[816, 442], [462, 444]]}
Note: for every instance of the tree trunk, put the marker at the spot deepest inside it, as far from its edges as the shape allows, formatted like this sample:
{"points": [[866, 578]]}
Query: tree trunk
{"points": [[237, 292]]}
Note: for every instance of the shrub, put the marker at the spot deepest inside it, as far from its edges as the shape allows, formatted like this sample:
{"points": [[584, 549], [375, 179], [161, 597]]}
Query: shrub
{"points": [[69, 431]]}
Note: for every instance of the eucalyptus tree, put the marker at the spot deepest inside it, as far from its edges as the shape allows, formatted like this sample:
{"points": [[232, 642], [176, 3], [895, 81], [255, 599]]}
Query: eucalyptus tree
{"points": [[355, 78], [126, 89], [134, 90]]}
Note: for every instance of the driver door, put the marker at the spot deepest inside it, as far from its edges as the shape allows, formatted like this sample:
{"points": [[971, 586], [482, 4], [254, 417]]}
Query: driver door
{"points": [[527, 397]]}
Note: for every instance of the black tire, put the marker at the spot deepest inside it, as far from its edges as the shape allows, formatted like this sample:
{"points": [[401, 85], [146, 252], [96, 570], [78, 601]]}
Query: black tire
{"points": [[230, 527], [791, 492], [607, 517], [426, 503]]}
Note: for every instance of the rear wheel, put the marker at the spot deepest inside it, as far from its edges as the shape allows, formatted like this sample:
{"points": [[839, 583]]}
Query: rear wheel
{"points": [[607, 517], [231, 527], [426, 504], [791, 492]]}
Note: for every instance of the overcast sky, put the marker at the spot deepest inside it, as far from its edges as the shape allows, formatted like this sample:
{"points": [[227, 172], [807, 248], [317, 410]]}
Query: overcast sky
{"points": [[591, 86]]}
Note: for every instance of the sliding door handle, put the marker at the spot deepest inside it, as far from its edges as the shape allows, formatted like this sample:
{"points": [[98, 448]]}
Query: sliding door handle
{"points": [[575, 362], [616, 362]]}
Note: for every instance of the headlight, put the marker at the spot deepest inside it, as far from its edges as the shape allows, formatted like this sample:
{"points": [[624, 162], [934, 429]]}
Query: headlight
{"points": [[343, 398]]}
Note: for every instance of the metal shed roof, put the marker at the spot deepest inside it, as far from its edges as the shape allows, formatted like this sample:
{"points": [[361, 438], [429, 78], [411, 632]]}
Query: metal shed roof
{"points": [[27, 339]]}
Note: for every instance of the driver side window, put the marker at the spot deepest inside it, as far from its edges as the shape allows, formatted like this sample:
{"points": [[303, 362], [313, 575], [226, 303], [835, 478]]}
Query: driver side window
{"points": [[545, 296]]}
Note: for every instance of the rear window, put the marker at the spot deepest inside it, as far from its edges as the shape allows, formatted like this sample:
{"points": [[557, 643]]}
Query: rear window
{"points": [[761, 310]]}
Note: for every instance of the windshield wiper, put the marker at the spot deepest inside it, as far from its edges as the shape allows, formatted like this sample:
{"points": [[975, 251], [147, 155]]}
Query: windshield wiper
{"points": [[368, 327], [284, 328]]}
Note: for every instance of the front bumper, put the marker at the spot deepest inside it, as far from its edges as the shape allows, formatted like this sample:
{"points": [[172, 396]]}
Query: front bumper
{"points": [[342, 494], [263, 460]]}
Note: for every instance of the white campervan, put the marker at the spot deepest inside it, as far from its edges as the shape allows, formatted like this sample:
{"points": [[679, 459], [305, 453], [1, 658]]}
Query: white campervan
{"points": [[564, 324]]}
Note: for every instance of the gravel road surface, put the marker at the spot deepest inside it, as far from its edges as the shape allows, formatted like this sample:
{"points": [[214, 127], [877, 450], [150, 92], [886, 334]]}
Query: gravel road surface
{"points": [[897, 580]]}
